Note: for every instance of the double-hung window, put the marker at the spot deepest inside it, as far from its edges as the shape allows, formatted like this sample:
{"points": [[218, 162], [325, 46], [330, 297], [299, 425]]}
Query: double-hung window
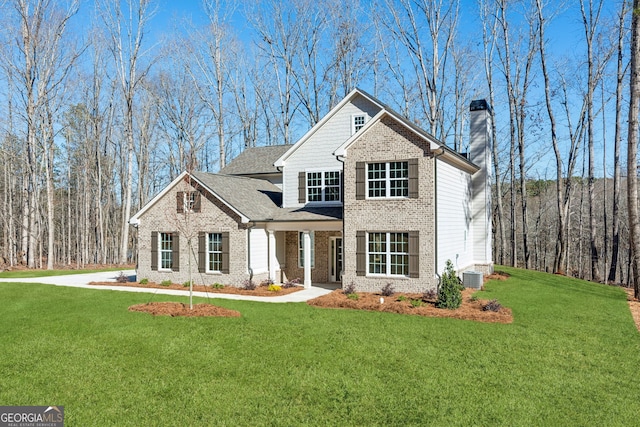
{"points": [[165, 252], [388, 180], [323, 186], [388, 254], [214, 252]]}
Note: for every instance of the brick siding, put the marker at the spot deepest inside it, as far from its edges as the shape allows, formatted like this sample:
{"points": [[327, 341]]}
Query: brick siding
{"points": [[214, 216], [389, 141]]}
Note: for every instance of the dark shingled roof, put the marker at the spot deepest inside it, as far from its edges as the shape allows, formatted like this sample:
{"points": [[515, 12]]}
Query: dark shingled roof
{"points": [[254, 198], [255, 160], [260, 200]]}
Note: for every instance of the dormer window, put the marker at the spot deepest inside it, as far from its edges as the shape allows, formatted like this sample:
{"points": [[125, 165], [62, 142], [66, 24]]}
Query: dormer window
{"points": [[357, 122]]}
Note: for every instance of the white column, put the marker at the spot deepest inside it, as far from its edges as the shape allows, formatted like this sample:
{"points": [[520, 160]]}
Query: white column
{"points": [[273, 260], [306, 241]]}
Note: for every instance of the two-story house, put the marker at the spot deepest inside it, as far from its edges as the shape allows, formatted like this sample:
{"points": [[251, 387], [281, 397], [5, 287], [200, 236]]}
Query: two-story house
{"points": [[365, 196]]}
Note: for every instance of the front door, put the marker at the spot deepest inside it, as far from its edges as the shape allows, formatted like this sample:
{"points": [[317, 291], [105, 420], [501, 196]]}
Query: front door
{"points": [[335, 260]]}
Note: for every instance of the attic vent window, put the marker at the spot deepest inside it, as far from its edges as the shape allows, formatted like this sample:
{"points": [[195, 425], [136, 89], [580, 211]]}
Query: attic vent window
{"points": [[188, 201], [358, 122]]}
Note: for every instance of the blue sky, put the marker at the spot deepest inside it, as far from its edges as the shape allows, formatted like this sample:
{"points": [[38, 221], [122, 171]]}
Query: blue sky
{"points": [[564, 37]]}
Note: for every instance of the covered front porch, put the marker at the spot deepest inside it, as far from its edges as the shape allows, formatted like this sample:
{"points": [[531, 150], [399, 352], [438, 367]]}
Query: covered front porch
{"points": [[308, 251]]}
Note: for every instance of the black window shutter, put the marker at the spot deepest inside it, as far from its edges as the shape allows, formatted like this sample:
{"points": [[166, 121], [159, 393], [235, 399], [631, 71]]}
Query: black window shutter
{"points": [[202, 252], [360, 181], [414, 255], [154, 250], [180, 202], [302, 187], [413, 179], [175, 251], [225, 253], [197, 202], [361, 253]]}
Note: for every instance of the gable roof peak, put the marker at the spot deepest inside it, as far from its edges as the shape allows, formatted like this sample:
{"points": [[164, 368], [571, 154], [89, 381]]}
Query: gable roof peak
{"points": [[350, 97]]}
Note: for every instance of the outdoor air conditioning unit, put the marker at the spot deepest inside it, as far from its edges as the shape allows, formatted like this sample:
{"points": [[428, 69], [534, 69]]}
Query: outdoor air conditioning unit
{"points": [[472, 279]]}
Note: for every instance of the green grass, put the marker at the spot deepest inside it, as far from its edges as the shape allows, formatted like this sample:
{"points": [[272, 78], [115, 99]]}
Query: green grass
{"points": [[22, 274], [571, 357]]}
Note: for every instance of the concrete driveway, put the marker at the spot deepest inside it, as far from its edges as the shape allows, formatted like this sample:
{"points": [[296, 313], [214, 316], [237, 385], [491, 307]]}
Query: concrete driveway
{"points": [[82, 280]]}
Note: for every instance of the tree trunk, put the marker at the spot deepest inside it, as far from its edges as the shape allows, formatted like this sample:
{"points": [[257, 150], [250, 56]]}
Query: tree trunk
{"points": [[632, 148], [615, 226]]}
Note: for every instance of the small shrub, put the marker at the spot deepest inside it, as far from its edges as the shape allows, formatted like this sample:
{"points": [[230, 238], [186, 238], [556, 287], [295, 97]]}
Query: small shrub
{"points": [[186, 284], [166, 282], [249, 285], [122, 278], [430, 294], [450, 290], [416, 303], [291, 283], [349, 289], [353, 296], [387, 290], [267, 282], [402, 298], [217, 286], [144, 281], [474, 298], [492, 305], [274, 288]]}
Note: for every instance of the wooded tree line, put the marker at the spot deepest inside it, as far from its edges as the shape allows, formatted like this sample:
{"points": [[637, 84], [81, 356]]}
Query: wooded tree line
{"points": [[103, 106]]}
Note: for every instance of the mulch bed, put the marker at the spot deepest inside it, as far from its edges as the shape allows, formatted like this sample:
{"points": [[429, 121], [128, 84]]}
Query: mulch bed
{"points": [[634, 306], [175, 309], [259, 291], [469, 310]]}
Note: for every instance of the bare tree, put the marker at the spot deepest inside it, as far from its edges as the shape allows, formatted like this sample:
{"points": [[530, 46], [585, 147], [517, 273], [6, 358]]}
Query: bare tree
{"points": [[620, 76], [350, 59], [489, 36], [126, 30], [280, 37], [590, 19], [561, 201], [426, 30], [632, 147], [40, 65], [516, 69], [211, 49]]}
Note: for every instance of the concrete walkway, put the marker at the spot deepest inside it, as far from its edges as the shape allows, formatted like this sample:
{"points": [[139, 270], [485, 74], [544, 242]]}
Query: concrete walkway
{"points": [[82, 280]]}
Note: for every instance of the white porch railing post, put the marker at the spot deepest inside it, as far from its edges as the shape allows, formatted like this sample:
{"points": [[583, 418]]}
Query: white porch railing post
{"points": [[306, 237], [273, 260]]}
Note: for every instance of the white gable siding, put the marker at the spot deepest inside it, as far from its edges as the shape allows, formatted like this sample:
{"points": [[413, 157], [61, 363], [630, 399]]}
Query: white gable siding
{"points": [[316, 153], [455, 240], [259, 250]]}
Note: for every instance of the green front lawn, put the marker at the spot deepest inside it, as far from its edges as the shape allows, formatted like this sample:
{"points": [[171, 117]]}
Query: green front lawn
{"points": [[570, 357], [21, 274]]}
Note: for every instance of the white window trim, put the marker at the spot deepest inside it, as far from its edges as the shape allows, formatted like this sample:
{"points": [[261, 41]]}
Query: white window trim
{"points": [[161, 251], [353, 121], [301, 249], [323, 187], [388, 254], [209, 252], [388, 180]]}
